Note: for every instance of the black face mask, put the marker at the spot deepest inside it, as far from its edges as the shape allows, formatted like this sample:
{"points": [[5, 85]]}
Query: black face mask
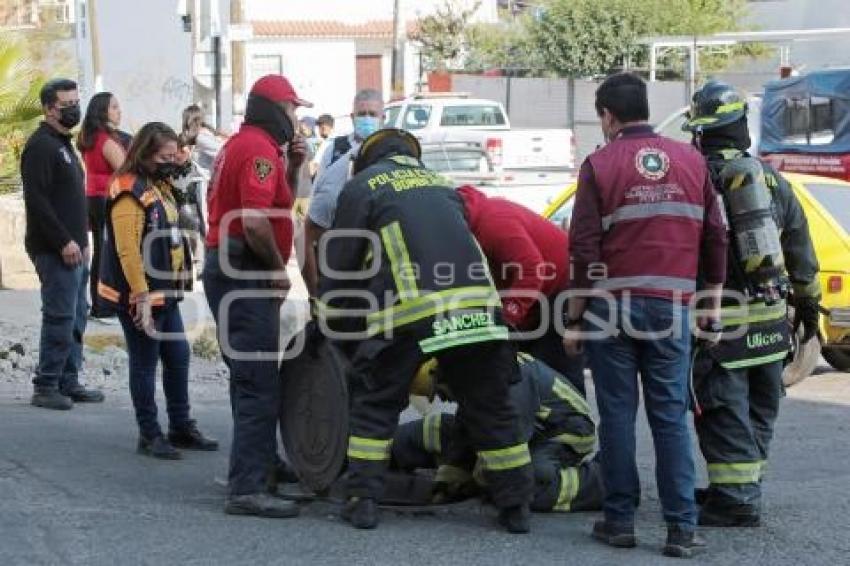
{"points": [[165, 171], [267, 115], [69, 116]]}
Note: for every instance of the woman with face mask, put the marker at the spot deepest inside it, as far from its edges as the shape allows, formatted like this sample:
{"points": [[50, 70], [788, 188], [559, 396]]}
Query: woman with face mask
{"points": [[104, 148], [144, 270]]}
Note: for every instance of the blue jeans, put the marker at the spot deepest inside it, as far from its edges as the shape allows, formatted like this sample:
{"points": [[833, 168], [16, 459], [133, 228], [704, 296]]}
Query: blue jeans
{"points": [[64, 309], [145, 352], [663, 366]]}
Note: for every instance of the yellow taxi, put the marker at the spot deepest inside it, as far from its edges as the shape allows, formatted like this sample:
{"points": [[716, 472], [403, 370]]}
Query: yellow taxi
{"points": [[826, 202]]}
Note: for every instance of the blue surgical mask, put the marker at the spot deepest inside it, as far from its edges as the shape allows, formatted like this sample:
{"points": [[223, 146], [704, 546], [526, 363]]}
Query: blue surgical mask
{"points": [[365, 126]]}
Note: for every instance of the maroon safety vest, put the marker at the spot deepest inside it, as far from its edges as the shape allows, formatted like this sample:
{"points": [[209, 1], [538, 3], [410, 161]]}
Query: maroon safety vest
{"points": [[652, 203]]}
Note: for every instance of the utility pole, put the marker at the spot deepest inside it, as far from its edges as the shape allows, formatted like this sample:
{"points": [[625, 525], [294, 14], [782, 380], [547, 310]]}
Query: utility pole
{"points": [[399, 36], [237, 56]]}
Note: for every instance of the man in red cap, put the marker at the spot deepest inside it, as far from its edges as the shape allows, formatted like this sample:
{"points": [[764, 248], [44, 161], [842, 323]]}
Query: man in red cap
{"points": [[249, 240]]}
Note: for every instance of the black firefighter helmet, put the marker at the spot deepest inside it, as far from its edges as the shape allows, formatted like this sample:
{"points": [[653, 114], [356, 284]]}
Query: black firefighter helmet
{"points": [[386, 143], [715, 105]]}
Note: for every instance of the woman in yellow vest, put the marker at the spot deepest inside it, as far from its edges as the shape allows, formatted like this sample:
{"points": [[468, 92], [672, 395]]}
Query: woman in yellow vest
{"points": [[143, 273]]}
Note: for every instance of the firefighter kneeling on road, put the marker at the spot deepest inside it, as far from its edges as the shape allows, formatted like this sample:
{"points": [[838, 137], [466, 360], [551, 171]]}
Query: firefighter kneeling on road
{"points": [[417, 273], [556, 421], [739, 381]]}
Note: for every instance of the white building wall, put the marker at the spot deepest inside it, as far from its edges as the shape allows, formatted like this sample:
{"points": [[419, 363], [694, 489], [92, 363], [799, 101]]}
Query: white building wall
{"points": [[323, 72], [152, 79]]}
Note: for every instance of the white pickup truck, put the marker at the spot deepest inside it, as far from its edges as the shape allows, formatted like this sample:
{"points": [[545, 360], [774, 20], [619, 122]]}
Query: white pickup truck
{"points": [[439, 118]]}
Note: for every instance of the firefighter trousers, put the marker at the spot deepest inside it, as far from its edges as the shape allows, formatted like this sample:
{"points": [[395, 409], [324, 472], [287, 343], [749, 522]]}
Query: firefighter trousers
{"points": [[739, 407], [562, 481], [478, 375]]}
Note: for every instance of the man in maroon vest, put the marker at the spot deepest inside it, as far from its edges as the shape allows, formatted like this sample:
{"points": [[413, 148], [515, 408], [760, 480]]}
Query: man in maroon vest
{"points": [[646, 215]]}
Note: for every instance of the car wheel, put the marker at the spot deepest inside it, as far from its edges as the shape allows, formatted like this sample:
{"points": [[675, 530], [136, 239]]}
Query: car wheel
{"points": [[838, 358], [804, 359]]}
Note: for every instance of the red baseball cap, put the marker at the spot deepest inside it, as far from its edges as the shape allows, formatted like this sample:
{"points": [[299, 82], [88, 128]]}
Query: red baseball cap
{"points": [[278, 89]]}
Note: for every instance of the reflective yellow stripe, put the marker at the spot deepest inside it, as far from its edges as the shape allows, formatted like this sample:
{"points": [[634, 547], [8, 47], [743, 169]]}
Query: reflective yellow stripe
{"points": [[322, 310], [524, 358], [431, 433], [368, 448], [761, 360], [462, 338], [567, 393], [404, 273], [737, 473], [505, 458], [424, 306], [579, 443], [729, 108], [569, 489], [543, 412], [755, 312]]}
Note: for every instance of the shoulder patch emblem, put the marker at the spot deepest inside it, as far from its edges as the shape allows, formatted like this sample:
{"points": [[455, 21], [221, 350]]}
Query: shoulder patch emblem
{"points": [[652, 163], [262, 168]]}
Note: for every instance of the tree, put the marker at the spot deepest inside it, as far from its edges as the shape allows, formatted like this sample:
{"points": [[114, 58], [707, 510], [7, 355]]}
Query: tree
{"points": [[594, 37], [20, 107], [506, 45], [441, 34], [589, 37]]}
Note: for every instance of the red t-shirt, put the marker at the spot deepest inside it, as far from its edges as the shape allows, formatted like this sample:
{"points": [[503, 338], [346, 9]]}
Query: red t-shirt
{"points": [[250, 173], [98, 169]]}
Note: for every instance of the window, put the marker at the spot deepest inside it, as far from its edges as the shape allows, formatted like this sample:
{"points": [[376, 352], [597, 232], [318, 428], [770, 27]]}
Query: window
{"points": [[262, 65], [472, 115], [835, 199], [391, 115], [809, 121], [416, 117]]}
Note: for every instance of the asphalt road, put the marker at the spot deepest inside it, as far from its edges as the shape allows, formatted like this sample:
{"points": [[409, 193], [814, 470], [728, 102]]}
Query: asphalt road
{"points": [[73, 491]]}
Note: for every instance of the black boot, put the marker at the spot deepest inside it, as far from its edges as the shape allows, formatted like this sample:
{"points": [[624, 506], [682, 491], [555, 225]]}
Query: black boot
{"points": [[361, 513], [515, 519], [158, 447], [711, 515], [682, 543], [616, 535], [51, 398], [260, 505], [82, 395], [188, 437]]}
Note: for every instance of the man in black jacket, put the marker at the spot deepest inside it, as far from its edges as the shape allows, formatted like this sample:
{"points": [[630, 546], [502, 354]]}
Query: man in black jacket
{"points": [[427, 292], [57, 243]]}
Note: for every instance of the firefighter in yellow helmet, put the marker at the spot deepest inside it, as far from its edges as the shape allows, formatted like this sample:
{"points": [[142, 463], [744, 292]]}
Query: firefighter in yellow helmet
{"points": [[771, 259], [557, 423]]}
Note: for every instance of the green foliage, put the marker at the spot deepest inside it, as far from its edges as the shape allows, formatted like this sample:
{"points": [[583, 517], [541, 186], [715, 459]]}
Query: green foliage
{"points": [[580, 38], [441, 34], [506, 45], [590, 37], [20, 108]]}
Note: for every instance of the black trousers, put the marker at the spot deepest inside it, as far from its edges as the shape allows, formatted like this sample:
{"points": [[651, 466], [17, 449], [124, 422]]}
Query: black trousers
{"points": [[740, 407], [96, 207], [248, 333], [479, 376], [562, 480]]}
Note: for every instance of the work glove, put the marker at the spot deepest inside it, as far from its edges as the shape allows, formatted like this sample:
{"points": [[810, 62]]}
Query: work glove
{"points": [[807, 315], [452, 484]]}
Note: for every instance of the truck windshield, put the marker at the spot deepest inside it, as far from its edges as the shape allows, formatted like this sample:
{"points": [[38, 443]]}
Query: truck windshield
{"points": [[416, 117], [809, 121], [472, 115], [835, 199]]}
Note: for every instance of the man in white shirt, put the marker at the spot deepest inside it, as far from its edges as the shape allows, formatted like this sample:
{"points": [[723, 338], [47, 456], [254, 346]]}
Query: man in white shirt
{"points": [[367, 115]]}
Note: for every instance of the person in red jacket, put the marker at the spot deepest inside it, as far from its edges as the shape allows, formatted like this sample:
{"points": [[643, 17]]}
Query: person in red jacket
{"points": [[529, 261], [104, 148]]}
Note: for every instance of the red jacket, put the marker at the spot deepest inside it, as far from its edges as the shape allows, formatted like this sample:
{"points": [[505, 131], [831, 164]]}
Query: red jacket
{"points": [[647, 211], [527, 253]]}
